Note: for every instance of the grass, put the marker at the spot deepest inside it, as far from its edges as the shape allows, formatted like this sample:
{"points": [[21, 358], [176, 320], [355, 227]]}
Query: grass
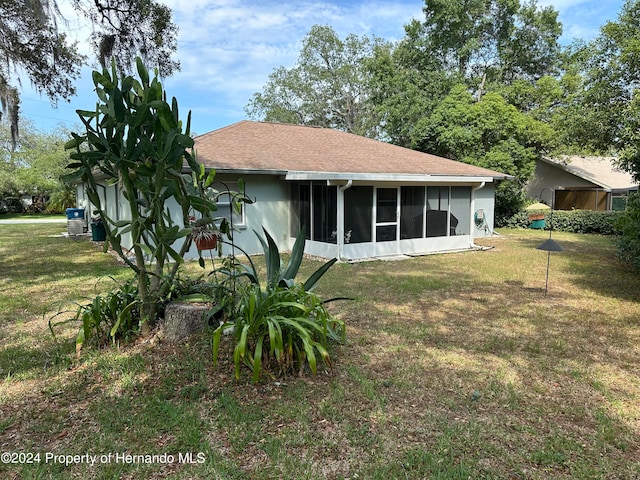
{"points": [[456, 366], [33, 216]]}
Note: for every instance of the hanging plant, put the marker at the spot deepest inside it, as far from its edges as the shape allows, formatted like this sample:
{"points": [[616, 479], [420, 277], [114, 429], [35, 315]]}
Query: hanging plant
{"points": [[204, 234]]}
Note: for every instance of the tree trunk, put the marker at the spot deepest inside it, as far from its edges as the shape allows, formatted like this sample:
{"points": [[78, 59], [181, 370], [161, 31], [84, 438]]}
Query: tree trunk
{"points": [[184, 319]]}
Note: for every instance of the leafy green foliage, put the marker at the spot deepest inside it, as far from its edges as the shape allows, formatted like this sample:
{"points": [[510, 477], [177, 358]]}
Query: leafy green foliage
{"points": [[498, 40], [112, 316], [602, 112], [135, 138], [283, 326], [489, 133], [280, 329], [327, 87], [61, 199], [628, 224], [575, 221], [281, 274], [36, 163], [33, 44]]}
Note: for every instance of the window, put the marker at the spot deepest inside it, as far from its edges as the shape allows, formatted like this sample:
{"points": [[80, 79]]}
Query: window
{"points": [[386, 205], [325, 213], [437, 211], [224, 192], [301, 205]]}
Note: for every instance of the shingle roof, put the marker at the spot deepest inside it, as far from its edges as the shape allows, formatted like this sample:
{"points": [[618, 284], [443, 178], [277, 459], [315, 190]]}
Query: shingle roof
{"points": [[281, 148], [601, 171]]}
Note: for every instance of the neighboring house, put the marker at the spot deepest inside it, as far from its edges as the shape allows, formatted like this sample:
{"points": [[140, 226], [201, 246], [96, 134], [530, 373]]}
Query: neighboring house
{"points": [[357, 197], [581, 183]]}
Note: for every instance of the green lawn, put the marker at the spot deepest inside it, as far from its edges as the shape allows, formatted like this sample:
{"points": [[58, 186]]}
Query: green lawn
{"points": [[32, 216], [456, 366]]}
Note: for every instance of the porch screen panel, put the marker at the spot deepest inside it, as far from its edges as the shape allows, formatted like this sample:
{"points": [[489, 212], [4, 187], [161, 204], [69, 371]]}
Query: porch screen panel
{"points": [[301, 208], [411, 212], [358, 214], [325, 211], [387, 203], [437, 211], [460, 217]]}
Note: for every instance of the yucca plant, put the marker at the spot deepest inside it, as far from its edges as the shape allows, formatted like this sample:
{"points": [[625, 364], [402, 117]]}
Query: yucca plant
{"points": [[284, 326]]}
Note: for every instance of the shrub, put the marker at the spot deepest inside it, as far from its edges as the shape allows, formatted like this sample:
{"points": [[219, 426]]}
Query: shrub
{"points": [[61, 199], [574, 221], [281, 327], [628, 225], [11, 205], [112, 316], [115, 315]]}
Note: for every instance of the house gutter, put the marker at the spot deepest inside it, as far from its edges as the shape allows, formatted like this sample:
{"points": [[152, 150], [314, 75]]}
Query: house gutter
{"points": [[340, 223]]}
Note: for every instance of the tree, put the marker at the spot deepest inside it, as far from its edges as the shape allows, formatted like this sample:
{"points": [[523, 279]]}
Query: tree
{"points": [[36, 164], [136, 139], [32, 44], [492, 40], [406, 84], [475, 82], [327, 87], [485, 45], [619, 54], [489, 133]]}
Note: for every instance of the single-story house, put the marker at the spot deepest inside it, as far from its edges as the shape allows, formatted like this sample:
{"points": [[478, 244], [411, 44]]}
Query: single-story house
{"points": [[581, 183], [356, 197]]}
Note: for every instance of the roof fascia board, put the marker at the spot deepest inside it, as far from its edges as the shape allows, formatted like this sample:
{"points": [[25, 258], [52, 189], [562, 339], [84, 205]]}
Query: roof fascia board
{"points": [[386, 177], [249, 171]]}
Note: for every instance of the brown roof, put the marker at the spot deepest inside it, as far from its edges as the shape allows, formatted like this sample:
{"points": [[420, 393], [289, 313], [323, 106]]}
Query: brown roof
{"points": [[282, 148], [601, 171]]}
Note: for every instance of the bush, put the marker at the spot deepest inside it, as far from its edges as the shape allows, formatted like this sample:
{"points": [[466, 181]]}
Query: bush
{"points": [[628, 226], [61, 199], [283, 326], [573, 221], [281, 329], [115, 315], [11, 205], [111, 316]]}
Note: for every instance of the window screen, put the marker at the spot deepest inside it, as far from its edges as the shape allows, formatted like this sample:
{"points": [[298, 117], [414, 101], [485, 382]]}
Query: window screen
{"points": [[411, 212], [358, 214]]}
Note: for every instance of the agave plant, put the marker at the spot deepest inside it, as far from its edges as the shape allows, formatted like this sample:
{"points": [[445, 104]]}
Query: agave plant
{"points": [[279, 273], [284, 326]]}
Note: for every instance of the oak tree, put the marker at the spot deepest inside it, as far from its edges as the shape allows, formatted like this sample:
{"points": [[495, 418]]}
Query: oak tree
{"points": [[33, 44]]}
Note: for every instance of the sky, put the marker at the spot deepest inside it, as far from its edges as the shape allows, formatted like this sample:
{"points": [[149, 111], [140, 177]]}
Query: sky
{"points": [[228, 48]]}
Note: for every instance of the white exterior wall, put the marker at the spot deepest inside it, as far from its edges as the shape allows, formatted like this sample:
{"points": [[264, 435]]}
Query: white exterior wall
{"points": [[555, 178], [271, 209], [483, 199]]}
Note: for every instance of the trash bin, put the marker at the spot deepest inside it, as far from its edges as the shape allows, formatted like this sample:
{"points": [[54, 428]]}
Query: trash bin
{"points": [[98, 232]]}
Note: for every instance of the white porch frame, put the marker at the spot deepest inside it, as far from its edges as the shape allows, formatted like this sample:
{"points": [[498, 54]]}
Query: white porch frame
{"points": [[373, 249]]}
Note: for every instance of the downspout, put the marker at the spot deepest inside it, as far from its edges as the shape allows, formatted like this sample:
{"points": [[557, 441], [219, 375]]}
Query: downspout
{"points": [[340, 223], [473, 210]]}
